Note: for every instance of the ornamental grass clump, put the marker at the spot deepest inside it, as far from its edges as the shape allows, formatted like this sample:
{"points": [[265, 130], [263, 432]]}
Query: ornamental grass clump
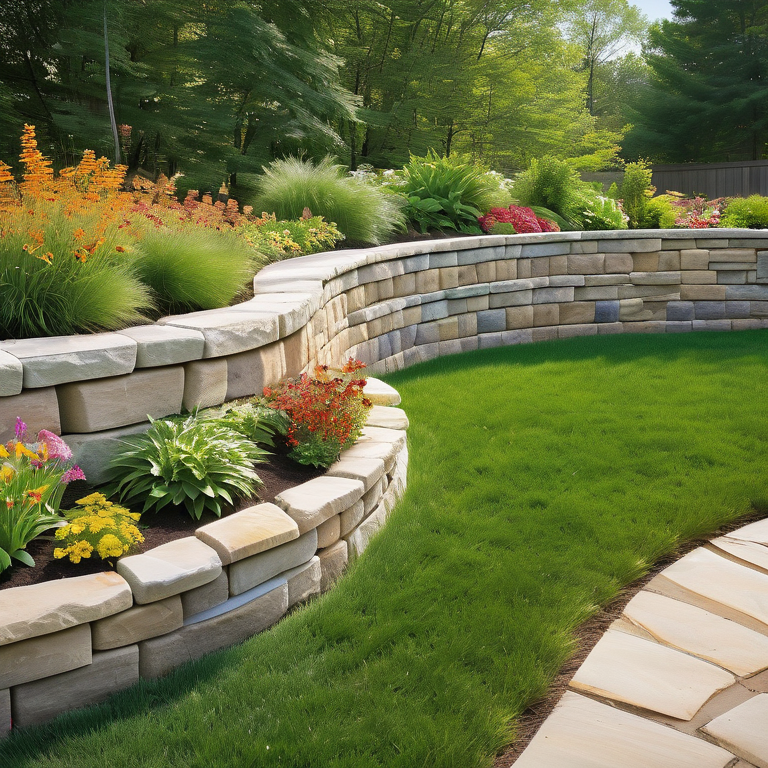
{"points": [[194, 463], [33, 476], [99, 528], [327, 411]]}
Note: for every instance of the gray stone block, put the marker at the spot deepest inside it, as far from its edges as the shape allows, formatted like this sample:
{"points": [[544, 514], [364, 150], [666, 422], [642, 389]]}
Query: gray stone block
{"points": [[517, 336], [565, 280], [303, 582], [467, 291], [445, 259], [11, 378], [762, 266], [434, 310], [737, 310], [552, 295], [249, 573], [480, 255], [165, 345], [489, 340], [711, 325], [545, 249], [758, 309], [137, 623], [415, 263], [205, 383], [333, 561], [59, 359], [108, 672], [93, 451], [491, 321], [5, 711], [679, 326], [249, 372], [37, 408], [679, 311], [162, 654], [350, 518], [709, 310], [732, 278], [200, 599], [597, 293], [648, 245], [606, 311]]}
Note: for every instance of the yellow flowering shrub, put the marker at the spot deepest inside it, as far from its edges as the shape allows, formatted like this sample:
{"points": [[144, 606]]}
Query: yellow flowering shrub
{"points": [[97, 526]]}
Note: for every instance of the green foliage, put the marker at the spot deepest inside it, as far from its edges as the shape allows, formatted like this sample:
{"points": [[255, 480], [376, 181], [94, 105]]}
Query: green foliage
{"points": [[192, 268], [636, 189], [613, 191], [276, 240], [448, 192], [659, 213], [193, 463], [603, 213], [364, 213], [257, 423], [750, 212]]}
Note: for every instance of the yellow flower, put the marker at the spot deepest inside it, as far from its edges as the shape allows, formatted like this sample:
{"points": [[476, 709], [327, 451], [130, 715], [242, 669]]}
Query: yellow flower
{"points": [[22, 450], [7, 473], [58, 553], [79, 550], [95, 524], [94, 498], [3, 452], [110, 546]]}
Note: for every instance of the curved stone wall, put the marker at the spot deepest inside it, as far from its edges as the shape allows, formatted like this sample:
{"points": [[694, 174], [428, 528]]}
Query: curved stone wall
{"points": [[390, 307]]}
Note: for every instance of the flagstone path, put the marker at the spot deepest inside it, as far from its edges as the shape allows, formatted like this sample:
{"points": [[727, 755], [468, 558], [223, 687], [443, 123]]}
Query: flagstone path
{"points": [[680, 679]]}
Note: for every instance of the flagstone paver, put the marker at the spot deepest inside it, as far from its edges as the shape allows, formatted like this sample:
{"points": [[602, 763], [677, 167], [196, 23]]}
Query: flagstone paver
{"points": [[744, 730], [756, 554], [757, 532]]}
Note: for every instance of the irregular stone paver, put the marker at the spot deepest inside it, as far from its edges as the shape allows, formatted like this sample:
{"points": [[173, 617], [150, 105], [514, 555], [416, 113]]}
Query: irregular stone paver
{"points": [[388, 417], [715, 578], [744, 730], [648, 675], [248, 532], [699, 632], [757, 532], [581, 733], [39, 609], [756, 554], [313, 502], [169, 569], [380, 393]]}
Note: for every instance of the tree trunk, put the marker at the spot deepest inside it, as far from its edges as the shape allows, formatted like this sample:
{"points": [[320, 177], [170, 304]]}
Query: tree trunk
{"points": [[113, 122]]}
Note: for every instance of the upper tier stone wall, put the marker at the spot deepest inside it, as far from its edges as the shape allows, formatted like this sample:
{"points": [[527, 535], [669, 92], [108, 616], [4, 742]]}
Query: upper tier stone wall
{"points": [[390, 306]]}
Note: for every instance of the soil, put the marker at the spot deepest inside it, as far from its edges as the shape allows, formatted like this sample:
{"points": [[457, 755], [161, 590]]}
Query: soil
{"points": [[158, 528], [587, 636]]}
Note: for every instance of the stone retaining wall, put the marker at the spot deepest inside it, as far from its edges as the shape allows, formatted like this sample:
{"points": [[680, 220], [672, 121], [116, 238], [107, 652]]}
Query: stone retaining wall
{"points": [[73, 642], [390, 307]]}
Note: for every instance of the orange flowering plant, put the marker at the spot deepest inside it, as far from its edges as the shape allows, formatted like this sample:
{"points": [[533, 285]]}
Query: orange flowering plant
{"points": [[33, 475], [327, 411]]}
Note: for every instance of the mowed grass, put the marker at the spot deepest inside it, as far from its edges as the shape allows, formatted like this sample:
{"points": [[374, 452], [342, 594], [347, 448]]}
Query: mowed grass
{"points": [[542, 480]]}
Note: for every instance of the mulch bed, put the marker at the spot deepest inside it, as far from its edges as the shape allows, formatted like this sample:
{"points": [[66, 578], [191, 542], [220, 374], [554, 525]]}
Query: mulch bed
{"points": [[587, 636], [158, 528]]}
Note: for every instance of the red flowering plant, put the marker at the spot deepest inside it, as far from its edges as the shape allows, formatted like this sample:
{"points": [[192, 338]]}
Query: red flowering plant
{"points": [[697, 212], [33, 475], [327, 411], [516, 219]]}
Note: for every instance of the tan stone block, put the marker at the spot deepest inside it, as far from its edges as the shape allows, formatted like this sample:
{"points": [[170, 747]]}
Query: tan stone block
{"points": [[5, 711], [367, 471], [296, 351], [411, 316], [486, 272], [40, 609], [385, 289], [632, 309], [655, 278], [577, 312], [248, 532], [109, 672], [520, 317], [618, 263], [249, 372], [380, 393], [90, 406], [44, 656], [333, 561], [702, 292], [206, 597], [558, 265], [547, 333], [313, 502], [448, 328], [733, 254], [509, 269], [467, 325], [468, 275], [478, 303], [669, 261], [138, 623], [427, 281], [694, 258], [169, 569], [546, 314], [371, 294], [540, 267], [449, 277], [645, 262], [329, 532], [304, 582], [37, 408], [360, 538], [205, 383], [404, 285], [523, 269], [586, 264], [162, 654], [699, 277], [355, 298]]}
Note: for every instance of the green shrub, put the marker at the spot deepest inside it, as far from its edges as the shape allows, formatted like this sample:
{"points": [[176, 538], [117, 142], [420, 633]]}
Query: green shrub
{"points": [[192, 268], [750, 212], [659, 213], [602, 213], [448, 192], [258, 423], [635, 191], [362, 212], [277, 240], [193, 463]]}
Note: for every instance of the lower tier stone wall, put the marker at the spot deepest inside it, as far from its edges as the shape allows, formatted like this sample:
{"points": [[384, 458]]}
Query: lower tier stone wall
{"points": [[73, 642]]}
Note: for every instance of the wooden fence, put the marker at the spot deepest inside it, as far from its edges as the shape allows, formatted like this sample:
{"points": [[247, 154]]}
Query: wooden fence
{"points": [[713, 179]]}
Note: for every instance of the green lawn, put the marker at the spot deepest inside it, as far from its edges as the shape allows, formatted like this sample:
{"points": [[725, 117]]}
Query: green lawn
{"points": [[543, 479]]}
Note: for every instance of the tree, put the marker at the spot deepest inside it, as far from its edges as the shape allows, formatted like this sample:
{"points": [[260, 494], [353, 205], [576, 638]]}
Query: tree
{"points": [[708, 96]]}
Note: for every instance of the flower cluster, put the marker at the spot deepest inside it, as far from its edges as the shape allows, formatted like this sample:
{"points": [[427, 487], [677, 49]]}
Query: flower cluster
{"points": [[327, 411], [97, 526], [522, 221], [697, 213], [284, 239]]}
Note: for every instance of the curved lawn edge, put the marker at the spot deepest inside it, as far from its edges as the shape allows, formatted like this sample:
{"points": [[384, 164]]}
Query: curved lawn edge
{"points": [[464, 607]]}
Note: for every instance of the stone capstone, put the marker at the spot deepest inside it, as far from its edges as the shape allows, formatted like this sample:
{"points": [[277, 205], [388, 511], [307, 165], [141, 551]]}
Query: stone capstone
{"points": [[367, 471], [388, 417], [380, 393], [164, 345], [313, 502], [169, 569], [11, 378]]}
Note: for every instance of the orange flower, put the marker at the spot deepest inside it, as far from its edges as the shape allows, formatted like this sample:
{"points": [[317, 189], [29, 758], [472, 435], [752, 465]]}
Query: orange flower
{"points": [[79, 232], [120, 249], [46, 257]]}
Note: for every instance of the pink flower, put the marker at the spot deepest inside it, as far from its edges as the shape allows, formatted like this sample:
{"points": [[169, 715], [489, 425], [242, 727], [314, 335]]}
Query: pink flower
{"points": [[21, 429], [73, 474], [57, 448]]}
